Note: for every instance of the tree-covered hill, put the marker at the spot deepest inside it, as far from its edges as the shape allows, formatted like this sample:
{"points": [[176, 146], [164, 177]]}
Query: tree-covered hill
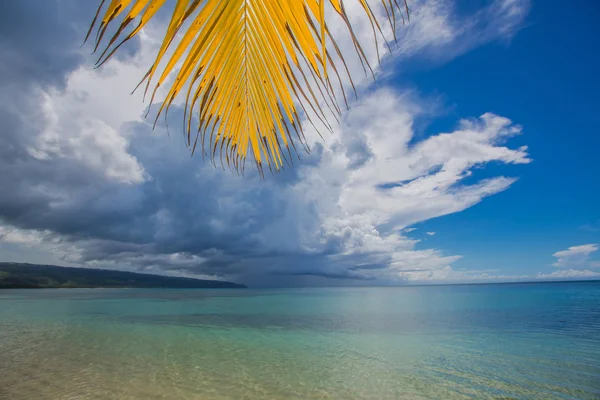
{"points": [[31, 276]]}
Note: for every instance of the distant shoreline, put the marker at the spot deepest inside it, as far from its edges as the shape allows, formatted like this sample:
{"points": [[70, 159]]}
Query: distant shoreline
{"points": [[34, 276]]}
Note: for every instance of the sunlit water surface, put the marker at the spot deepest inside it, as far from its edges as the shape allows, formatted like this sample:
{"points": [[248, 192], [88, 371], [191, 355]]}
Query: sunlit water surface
{"points": [[525, 341]]}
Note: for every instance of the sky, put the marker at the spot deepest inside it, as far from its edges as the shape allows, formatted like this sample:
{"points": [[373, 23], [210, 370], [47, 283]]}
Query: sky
{"points": [[472, 157]]}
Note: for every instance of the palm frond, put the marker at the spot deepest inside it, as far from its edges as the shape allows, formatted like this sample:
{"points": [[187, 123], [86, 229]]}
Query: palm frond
{"points": [[247, 68]]}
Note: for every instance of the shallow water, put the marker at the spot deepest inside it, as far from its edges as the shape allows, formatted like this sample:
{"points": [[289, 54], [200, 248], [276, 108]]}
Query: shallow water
{"points": [[525, 341]]}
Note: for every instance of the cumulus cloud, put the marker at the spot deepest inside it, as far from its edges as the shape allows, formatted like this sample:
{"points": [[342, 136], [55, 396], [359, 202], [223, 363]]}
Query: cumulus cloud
{"points": [[323, 218], [576, 257], [89, 182], [569, 274]]}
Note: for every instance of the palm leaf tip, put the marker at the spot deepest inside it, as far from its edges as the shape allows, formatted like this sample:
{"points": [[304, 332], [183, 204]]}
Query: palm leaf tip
{"points": [[247, 68]]}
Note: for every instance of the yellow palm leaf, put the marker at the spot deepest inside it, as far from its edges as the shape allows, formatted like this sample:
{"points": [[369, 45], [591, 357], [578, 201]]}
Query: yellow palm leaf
{"points": [[247, 68]]}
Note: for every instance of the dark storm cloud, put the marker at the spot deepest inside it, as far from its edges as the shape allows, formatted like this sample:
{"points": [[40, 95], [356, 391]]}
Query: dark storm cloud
{"points": [[185, 208], [330, 275], [40, 41], [40, 46], [191, 208]]}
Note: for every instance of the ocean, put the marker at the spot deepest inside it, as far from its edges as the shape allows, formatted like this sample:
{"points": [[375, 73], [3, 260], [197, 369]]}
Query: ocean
{"points": [[509, 341]]}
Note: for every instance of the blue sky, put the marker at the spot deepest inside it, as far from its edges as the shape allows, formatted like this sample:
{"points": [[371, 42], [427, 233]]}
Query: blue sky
{"points": [[544, 78], [472, 157]]}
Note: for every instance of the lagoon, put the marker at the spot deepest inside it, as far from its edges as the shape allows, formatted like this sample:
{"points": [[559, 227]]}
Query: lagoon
{"points": [[524, 341]]}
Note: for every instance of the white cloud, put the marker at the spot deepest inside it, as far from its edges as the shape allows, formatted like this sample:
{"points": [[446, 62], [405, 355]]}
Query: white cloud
{"points": [[19, 236], [438, 31], [569, 274], [576, 257], [83, 122], [430, 233]]}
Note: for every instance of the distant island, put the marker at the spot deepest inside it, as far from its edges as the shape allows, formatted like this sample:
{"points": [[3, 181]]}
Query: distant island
{"points": [[32, 276]]}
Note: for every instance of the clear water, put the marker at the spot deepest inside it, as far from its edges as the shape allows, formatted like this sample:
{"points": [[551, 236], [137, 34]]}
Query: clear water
{"points": [[527, 341]]}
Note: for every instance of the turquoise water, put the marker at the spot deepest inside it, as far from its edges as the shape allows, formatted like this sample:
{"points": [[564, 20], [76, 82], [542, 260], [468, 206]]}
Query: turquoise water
{"points": [[524, 341]]}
